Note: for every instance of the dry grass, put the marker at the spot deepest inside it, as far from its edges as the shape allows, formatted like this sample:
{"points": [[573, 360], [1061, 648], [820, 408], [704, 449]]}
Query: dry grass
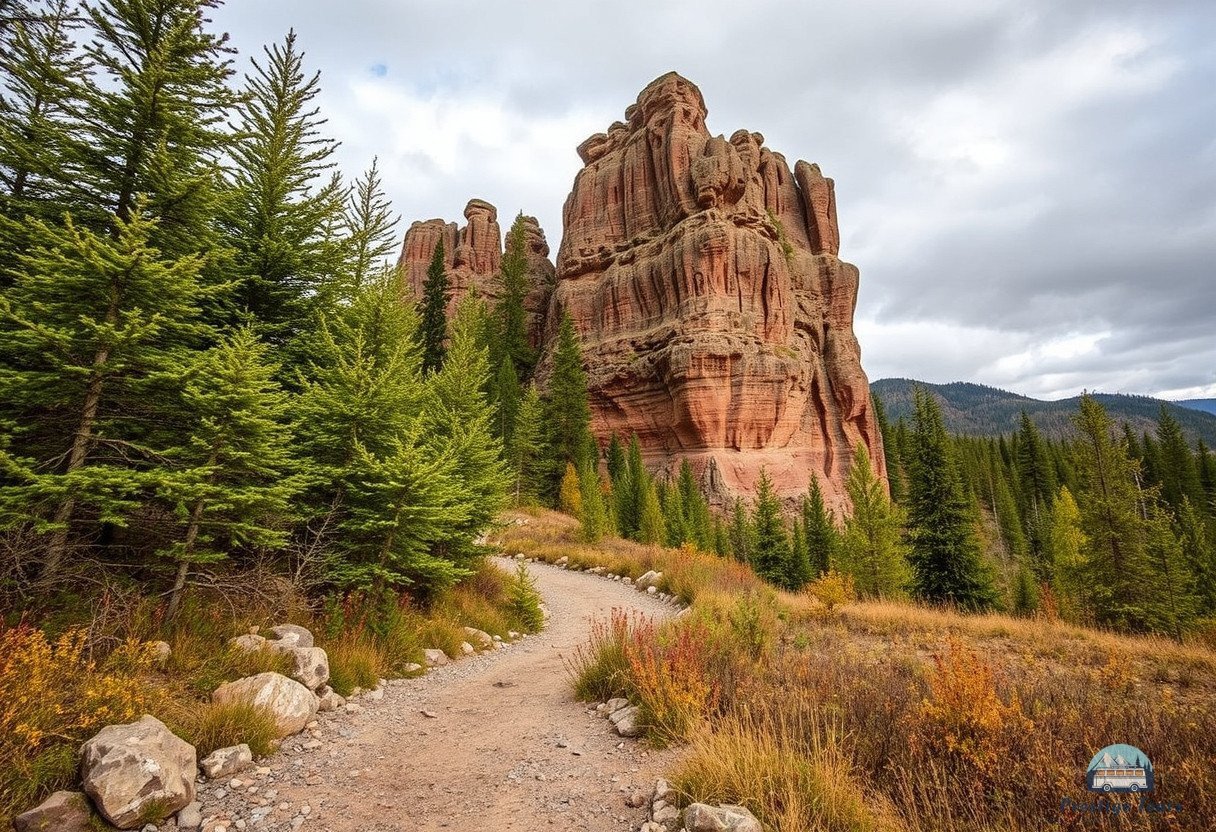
{"points": [[209, 726], [885, 715]]}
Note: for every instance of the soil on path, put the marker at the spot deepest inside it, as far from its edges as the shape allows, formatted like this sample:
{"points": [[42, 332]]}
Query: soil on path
{"points": [[508, 747]]}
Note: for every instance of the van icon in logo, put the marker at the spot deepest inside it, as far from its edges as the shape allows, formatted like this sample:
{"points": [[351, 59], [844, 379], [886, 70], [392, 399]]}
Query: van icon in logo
{"points": [[1120, 768]]}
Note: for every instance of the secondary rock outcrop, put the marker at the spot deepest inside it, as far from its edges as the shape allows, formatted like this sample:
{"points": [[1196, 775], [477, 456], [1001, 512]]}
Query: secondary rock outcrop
{"points": [[138, 773], [473, 259], [716, 316]]}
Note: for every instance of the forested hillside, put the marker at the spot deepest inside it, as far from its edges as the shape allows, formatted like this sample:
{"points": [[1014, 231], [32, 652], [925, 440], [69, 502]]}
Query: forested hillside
{"points": [[979, 410]]}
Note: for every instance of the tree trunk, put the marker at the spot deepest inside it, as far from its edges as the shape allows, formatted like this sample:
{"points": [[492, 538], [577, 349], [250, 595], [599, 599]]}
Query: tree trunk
{"points": [[183, 568]]}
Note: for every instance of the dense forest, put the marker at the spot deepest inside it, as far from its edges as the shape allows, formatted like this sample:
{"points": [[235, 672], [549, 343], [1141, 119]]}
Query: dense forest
{"points": [[207, 362]]}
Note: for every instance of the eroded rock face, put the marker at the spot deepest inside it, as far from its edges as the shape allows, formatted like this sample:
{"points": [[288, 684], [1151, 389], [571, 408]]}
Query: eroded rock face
{"points": [[473, 259], [716, 317]]}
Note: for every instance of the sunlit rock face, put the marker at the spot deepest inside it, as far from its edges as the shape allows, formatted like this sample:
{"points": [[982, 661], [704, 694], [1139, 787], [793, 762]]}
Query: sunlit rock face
{"points": [[716, 317]]}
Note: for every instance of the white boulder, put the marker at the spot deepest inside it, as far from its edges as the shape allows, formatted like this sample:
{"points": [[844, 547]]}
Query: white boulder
{"points": [[701, 817], [291, 704], [310, 667], [225, 761], [138, 773]]}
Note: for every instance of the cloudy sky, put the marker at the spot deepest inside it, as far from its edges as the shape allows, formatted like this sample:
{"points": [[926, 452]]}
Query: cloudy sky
{"points": [[1028, 186]]}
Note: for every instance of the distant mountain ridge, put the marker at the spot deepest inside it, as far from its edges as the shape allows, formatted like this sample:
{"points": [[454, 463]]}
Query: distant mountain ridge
{"points": [[979, 410], [1205, 405]]}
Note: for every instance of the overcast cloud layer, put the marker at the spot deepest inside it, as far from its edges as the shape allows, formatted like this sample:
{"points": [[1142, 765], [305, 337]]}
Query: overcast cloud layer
{"points": [[1028, 186]]}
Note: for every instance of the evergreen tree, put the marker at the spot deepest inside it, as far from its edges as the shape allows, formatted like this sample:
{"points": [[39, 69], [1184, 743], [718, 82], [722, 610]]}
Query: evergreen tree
{"points": [[650, 513], [526, 447], [890, 446], [595, 514], [370, 228], [618, 465], [1179, 475], [771, 555], [674, 521], [629, 492], [1067, 543], [1206, 463], [458, 422], [511, 316], [434, 329], [96, 333], [944, 555], [402, 506], [505, 396], [742, 535], [870, 549], [286, 198], [40, 64], [822, 538], [149, 130], [798, 572], [570, 494], [697, 518], [567, 413], [232, 486], [1131, 559]]}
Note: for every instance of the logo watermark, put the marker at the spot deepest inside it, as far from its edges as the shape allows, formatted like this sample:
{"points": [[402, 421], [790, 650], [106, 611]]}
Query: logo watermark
{"points": [[1119, 769]]}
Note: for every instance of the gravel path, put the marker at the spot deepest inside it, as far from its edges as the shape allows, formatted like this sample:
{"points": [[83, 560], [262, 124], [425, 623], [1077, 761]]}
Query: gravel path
{"points": [[508, 747]]}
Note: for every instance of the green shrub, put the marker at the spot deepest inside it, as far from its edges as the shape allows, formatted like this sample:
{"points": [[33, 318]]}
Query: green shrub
{"points": [[209, 726], [524, 603]]}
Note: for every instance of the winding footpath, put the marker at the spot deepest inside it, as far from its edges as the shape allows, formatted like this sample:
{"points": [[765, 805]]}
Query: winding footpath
{"points": [[502, 745]]}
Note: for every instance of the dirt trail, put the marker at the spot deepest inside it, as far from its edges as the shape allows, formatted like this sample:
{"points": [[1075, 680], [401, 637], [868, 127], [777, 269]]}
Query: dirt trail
{"points": [[508, 748]]}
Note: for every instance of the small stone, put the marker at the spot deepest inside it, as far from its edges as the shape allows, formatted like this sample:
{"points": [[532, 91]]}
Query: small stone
{"points": [[651, 590], [191, 817], [700, 817], [63, 811], [635, 800], [430, 714], [434, 658], [467, 648], [563, 744]]}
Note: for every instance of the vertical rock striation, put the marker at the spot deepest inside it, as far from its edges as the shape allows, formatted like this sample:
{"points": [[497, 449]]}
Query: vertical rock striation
{"points": [[716, 317]]}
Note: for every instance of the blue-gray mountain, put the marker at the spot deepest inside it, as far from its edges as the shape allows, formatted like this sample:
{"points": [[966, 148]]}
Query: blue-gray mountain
{"points": [[1206, 405], [979, 410]]}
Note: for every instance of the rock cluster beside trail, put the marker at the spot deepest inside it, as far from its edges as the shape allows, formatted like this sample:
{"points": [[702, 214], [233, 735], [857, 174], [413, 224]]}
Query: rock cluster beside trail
{"points": [[140, 774]]}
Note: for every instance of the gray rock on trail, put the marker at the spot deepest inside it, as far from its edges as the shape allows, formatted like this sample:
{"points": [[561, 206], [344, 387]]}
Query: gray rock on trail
{"points": [[648, 580], [61, 812], [466, 648], [291, 704], [191, 817], [329, 700], [248, 643], [628, 722], [667, 816], [479, 638], [700, 817], [310, 667], [614, 705], [303, 637], [225, 761], [434, 658], [136, 769]]}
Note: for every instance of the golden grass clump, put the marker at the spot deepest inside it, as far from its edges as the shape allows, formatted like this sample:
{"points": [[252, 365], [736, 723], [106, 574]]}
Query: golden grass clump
{"points": [[53, 696], [210, 726]]}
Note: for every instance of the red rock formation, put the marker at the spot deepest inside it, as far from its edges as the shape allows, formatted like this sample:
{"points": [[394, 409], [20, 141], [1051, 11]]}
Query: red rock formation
{"points": [[716, 318], [473, 257]]}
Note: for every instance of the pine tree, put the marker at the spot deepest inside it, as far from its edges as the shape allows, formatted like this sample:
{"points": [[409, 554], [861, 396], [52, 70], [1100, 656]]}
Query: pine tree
{"points": [[511, 315], [1131, 558], [798, 572], [771, 555], [370, 228], [822, 539], [890, 446], [401, 507], [1206, 464], [570, 495], [96, 333], [433, 332], [524, 453], [567, 413], [594, 517], [1179, 475], [149, 129], [697, 520], [232, 485], [362, 388], [506, 394], [287, 200], [650, 513], [674, 521], [870, 549], [40, 64], [742, 535], [458, 422], [944, 556], [1067, 543], [628, 492], [614, 457]]}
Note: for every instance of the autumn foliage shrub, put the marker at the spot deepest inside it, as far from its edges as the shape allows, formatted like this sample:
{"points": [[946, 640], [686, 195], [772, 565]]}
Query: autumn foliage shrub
{"points": [[53, 696]]}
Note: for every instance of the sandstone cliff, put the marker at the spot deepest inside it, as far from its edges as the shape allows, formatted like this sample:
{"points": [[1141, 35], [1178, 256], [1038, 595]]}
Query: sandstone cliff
{"points": [[473, 257], [716, 317]]}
